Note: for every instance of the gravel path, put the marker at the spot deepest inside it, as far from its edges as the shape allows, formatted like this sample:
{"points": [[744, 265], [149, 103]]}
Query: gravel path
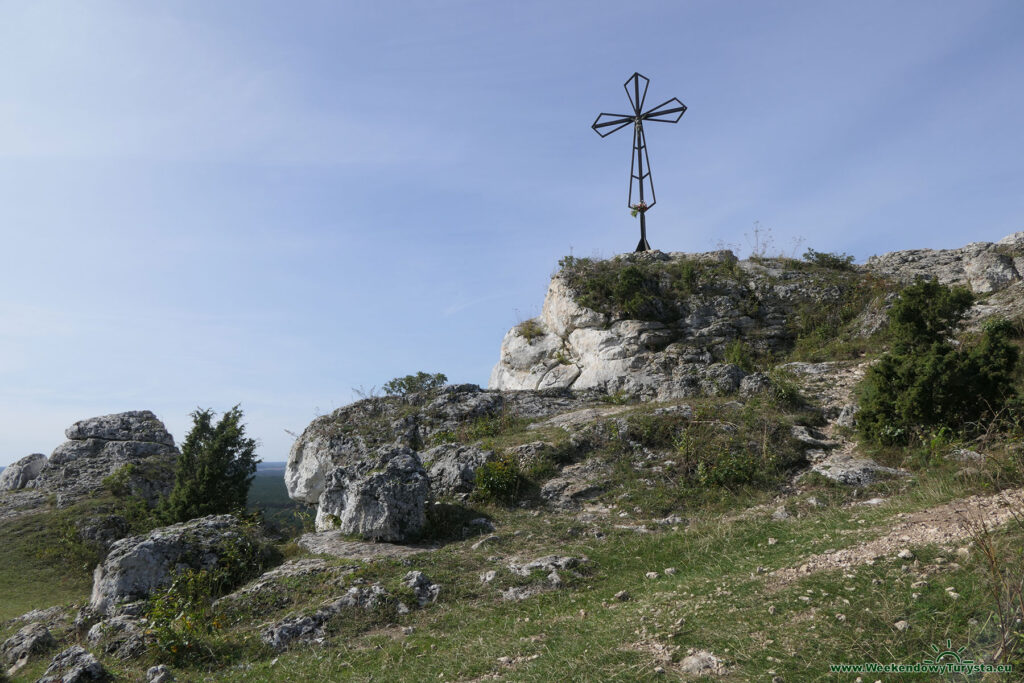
{"points": [[952, 523]]}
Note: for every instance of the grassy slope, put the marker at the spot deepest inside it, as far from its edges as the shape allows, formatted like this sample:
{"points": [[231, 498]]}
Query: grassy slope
{"points": [[716, 600], [30, 576]]}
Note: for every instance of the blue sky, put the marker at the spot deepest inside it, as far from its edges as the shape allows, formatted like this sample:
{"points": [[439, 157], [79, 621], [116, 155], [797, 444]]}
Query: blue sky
{"points": [[266, 203]]}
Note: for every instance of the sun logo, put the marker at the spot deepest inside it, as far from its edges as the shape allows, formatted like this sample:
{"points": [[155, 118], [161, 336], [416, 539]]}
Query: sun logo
{"points": [[948, 655]]}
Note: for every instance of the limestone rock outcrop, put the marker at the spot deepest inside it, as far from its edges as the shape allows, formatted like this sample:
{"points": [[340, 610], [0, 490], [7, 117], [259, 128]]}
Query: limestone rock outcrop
{"points": [[679, 355], [384, 498], [100, 446], [985, 267], [138, 565], [697, 305], [18, 475], [352, 436]]}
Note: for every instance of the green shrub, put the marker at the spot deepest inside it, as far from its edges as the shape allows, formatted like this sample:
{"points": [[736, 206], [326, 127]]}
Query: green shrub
{"points": [[180, 617], [214, 470], [823, 328], [640, 290], [530, 330], [119, 481], [829, 260], [489, 426], [414, 384], [498, 480], [926, 382], [739, 353], [443, 436]]}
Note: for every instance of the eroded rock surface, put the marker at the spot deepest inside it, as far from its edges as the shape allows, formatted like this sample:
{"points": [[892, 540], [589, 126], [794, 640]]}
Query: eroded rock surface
{"points": [[29, 641], [570, 346], [985, 267], [138, 565], [18, 475], [353, 434], [74, 665], [100, 446], [452, 467], [383, 499]]}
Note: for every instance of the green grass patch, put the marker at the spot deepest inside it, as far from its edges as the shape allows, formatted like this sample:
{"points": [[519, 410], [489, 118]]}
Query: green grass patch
{"points": [[29, 576]]}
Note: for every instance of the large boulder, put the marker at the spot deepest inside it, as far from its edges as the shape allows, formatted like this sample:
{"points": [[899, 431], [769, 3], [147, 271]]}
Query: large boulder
{"points": [[18, 475], [101, 446], [138, 565], [384, 498], [351, 435]]}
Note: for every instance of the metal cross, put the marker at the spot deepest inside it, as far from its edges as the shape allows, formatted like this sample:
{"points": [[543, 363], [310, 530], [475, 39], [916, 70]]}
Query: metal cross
{"points": [[640, 164]]}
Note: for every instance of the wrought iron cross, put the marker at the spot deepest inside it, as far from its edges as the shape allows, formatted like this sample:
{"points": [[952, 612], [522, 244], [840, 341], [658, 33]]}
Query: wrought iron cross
{"points": [[640, 164]]}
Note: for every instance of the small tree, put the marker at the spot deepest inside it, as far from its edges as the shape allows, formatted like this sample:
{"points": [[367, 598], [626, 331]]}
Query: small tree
{"points": [[412, 384], [216, 466], [926, 381]]}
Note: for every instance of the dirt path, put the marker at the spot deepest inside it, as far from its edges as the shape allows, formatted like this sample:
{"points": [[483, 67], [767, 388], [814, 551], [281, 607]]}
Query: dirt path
{"points": [[952, 523]]}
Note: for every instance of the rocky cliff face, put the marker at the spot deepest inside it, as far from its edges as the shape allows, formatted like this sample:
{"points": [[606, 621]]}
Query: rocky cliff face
{"points": [[659, 326]]}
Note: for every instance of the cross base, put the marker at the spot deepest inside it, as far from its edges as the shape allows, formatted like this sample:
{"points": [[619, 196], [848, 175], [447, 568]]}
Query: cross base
{"points": [[643, 245]]}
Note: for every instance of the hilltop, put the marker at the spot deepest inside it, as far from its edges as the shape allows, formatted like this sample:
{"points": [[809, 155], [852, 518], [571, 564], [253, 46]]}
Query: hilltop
{"points": [[665, 479]]}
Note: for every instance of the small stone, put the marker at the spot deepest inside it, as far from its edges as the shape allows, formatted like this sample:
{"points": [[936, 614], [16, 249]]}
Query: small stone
{"points": [[771, 609], [772, 541], [652, 575], [901, 625], [905, 554], [488, 576], [876, 582], [159, 674], [659, 670], [780, 513], [31, 640], [840, 617], [671, 570], [622, 596], [953, 595]]}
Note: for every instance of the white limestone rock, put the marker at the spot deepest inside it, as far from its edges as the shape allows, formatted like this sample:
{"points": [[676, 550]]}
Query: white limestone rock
{"points": [[853, 471], [135, 425], [985, 267], [74, 665], [562, 315], [138, 565], [18, 475], [100, 446], [452, 467], [30, 640], [384, 499]]}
